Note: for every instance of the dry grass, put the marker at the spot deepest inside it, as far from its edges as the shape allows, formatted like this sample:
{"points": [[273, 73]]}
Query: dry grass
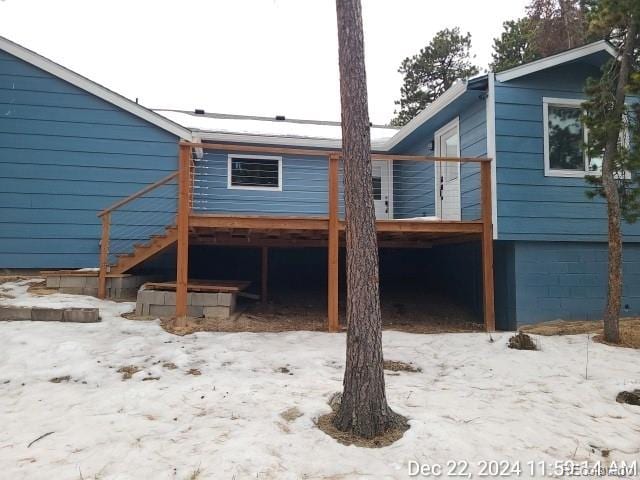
{"points": [[128, 371], [522, 341], [395, 366], [629, 330], [291, 414], [393, 434]]}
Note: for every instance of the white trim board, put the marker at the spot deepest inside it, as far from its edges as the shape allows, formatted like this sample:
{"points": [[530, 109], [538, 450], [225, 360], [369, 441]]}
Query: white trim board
{"points": [[557, 59], [491, 149], [93, 88]]}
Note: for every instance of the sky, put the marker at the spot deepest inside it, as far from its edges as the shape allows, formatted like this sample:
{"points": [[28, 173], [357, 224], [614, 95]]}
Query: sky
{"points": [[251, 57]]}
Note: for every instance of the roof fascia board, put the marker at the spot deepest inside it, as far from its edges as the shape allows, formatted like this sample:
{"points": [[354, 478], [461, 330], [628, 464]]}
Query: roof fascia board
{"points": [[555, 60], [454, 92], [93, 88]]}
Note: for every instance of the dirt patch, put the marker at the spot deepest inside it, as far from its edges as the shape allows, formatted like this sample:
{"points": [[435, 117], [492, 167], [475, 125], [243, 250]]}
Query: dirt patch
{"points": [[40, 289], [522, 341], [169, 365], [147, 379], [325, 423], [194, 371], [395, 366], [128, 371], [629, 330], [632, 398], [291, 414], [393, 434], [66, 378]]}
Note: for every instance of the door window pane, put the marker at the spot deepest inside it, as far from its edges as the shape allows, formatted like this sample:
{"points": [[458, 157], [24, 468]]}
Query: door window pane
{"points": [[566, 139], [377, 182]]}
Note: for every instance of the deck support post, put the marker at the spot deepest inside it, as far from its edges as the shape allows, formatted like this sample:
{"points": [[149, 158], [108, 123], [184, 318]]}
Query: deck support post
{"points": [[487, 248], [265, 274], [333, 246], [104, 255], [182, 267]]}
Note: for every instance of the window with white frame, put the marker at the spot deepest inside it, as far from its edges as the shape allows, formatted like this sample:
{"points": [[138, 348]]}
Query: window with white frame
{"points": [[565, 138], [254, 172]]}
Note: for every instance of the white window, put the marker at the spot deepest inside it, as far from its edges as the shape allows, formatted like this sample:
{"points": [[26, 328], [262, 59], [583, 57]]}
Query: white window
{"points": [[565, 136], [254, 172]]}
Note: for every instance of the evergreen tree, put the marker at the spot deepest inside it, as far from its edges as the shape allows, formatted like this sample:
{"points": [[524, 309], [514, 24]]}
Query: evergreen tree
{"points": [[613, 128], [549, 27], [514, 46], [433, 70]]}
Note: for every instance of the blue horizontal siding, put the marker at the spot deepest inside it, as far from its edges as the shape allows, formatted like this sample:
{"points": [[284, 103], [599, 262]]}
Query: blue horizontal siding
{"points": [[530, 205], [64, 156], [304, 188], [473, 143]]}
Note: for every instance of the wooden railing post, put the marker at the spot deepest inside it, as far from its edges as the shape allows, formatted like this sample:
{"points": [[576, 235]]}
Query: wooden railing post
{"points": [[182, 267], [487, 247], [333, 245], [104, 255]]}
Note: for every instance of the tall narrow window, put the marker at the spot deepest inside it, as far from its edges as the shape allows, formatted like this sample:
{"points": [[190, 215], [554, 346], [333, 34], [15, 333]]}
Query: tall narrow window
{"points": [[253, 172]]}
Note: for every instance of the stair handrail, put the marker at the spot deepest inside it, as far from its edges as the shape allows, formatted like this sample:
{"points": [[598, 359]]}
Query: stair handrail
{"points": [[138, 194], [105, 217]]}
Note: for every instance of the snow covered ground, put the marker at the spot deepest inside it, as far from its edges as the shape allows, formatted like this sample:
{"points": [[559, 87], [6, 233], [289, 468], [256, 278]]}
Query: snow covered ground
{"points": [[473, 401]]}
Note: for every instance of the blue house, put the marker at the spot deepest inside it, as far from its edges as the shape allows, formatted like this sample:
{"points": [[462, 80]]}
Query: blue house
{"points": [[71, 149]]}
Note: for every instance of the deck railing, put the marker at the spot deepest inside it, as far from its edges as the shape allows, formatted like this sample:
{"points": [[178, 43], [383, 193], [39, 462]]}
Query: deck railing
{"points": [[133, 220], [197, 198], [403, 189]]}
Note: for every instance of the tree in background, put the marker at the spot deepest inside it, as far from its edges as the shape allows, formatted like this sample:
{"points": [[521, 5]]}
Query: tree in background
{"points": [[363, 408], [611, 122], [433, 70], [550, 26], [557, 25], [514, 46]]}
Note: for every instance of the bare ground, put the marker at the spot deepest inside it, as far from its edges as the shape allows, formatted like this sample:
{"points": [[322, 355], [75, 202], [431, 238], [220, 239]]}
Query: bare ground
{"points": [[415, 312], [629, 329]]}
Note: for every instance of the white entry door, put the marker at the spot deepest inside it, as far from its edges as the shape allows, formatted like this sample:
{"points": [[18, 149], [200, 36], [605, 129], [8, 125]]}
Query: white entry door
{"points": [[382, 194], [447, 144]]}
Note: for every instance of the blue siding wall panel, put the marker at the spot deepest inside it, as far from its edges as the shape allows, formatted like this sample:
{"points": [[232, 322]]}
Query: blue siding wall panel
{"points": [[568, 280], [414, 182], [304, 188], [530, 205], [473, 143], [65, 155]]}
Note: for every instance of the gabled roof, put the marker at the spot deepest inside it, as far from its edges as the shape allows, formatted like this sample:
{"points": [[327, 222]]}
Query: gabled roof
{"points": [[557, 59], [93, 88]]}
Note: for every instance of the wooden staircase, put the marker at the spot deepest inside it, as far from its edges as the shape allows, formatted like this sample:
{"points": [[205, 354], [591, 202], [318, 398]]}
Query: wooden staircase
{"points": [[141, 252], [144, 251]]}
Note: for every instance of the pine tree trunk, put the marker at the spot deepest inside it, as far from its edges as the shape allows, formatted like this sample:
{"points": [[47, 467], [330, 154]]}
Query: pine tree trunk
{"points": [[610, 187], [363, 408]]}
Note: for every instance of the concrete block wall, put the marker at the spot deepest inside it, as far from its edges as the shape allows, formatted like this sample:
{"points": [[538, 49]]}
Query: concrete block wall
{"points": [[117, 287], [158, 303], [568, 280]]}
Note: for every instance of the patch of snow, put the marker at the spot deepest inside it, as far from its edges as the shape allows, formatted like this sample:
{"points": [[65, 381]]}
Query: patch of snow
{"points": [[474, 400], [204, 123], [88, 269]]}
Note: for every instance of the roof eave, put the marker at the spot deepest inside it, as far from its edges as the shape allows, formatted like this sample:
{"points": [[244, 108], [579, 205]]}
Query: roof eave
{"points": [[450, 95], [557, 59], [93, 88]]}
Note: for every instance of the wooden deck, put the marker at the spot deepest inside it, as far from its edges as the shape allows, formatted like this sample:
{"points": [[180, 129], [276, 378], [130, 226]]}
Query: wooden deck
{"points": [[266, 231], [295, 231]]}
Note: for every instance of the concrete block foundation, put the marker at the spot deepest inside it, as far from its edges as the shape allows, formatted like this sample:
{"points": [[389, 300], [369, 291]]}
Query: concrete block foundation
{"points": [[158, 303], [86, 283]]}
